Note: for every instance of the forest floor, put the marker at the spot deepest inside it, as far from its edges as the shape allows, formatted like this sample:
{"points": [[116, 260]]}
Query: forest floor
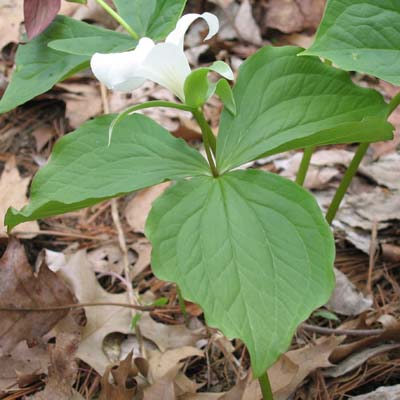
{"points": [[350, 347]]}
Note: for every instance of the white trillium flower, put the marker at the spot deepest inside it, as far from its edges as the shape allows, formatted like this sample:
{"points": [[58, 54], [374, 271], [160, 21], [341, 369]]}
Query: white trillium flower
{"points": [[163, 63]]}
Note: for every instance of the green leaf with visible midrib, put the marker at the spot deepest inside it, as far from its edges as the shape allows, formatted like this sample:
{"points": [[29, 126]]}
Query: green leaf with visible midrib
{"points": [[361, 35], [152, 18], [285, 102], [39, 67], [83, 170], [252, 249]]}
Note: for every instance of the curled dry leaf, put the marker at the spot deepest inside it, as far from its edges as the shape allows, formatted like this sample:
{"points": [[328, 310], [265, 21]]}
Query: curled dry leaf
{"points": [[164, 372], [346, 299], [21, 363], [124, 385], [13, 190], [21, 288], [293, 367], [356, 360], [62, 371]]}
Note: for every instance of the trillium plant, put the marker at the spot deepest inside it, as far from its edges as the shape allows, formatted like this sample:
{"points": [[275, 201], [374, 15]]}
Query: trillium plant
{"points": [[253, 249]]}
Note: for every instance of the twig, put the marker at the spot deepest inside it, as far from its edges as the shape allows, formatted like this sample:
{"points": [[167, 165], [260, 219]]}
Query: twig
{"points": [[133, 299], [340, 332], [372, 255], [57, 233], [78, 305]]}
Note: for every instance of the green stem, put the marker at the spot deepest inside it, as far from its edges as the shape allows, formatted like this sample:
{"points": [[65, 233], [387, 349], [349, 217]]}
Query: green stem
{"points": [[208, 140], [344, 185], [305, 163], [182, 304], [118, 18], [394, 103], [205, 127], [266, 389]]}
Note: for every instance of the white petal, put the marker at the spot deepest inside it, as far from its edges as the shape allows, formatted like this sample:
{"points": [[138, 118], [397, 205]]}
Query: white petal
{"points": [[177, 36], [168, 66], [121, 71]]}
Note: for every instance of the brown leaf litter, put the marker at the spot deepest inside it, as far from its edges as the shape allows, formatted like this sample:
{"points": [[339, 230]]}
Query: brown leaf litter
{"points": [[23, 288]]}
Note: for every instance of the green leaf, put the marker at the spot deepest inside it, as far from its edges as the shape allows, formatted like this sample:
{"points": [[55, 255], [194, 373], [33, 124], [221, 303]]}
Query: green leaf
{"points": [[102, 41], [361, 35], [78, 1], [252, 249], [39, 68], [286, 102], [151, 18], [83, 170]]}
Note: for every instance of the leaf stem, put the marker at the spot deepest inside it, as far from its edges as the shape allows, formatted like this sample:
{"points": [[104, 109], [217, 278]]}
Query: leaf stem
{"points": [[266, 389], [305, 164], [208, 140], [118, 18], [182, 304], [394, 103], [344, 185]]}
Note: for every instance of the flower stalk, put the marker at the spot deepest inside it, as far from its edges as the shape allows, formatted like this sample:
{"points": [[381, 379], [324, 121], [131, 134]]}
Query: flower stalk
{"points": [[208, 140], [118, 18]]}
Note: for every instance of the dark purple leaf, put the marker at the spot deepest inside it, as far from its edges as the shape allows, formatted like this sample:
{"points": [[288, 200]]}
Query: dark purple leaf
{"points": [[39, 14]]}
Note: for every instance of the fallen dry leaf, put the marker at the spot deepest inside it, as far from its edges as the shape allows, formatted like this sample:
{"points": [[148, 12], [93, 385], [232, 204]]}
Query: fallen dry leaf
{"points": [[101, 321], [346, 299], [382, 393], [246, 25], [82, 101], [22, 362], [385, 171], [63, 369], [291, 16], [293, 367], [13, 189], [356, 360], [163, 371], [124, 385], [143, 250], [168, 337], [139, 207], [390, 333], [22, 288]]}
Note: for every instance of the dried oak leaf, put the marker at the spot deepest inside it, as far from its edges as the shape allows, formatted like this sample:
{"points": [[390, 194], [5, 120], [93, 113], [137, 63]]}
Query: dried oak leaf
{"points": [[124, 385], [63, 369], [22, 288]]}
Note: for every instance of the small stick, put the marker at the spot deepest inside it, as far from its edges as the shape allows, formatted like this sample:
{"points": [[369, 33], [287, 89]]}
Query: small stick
{"points": [[78, 305], [340, 332], [372, 255]]}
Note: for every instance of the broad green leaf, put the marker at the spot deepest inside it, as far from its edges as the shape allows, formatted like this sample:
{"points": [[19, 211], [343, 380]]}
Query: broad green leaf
{"points": [[252, 249], [39, 68], [285, 102], [151, 18], [83, 170], [105, 41], [361, 35]]}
